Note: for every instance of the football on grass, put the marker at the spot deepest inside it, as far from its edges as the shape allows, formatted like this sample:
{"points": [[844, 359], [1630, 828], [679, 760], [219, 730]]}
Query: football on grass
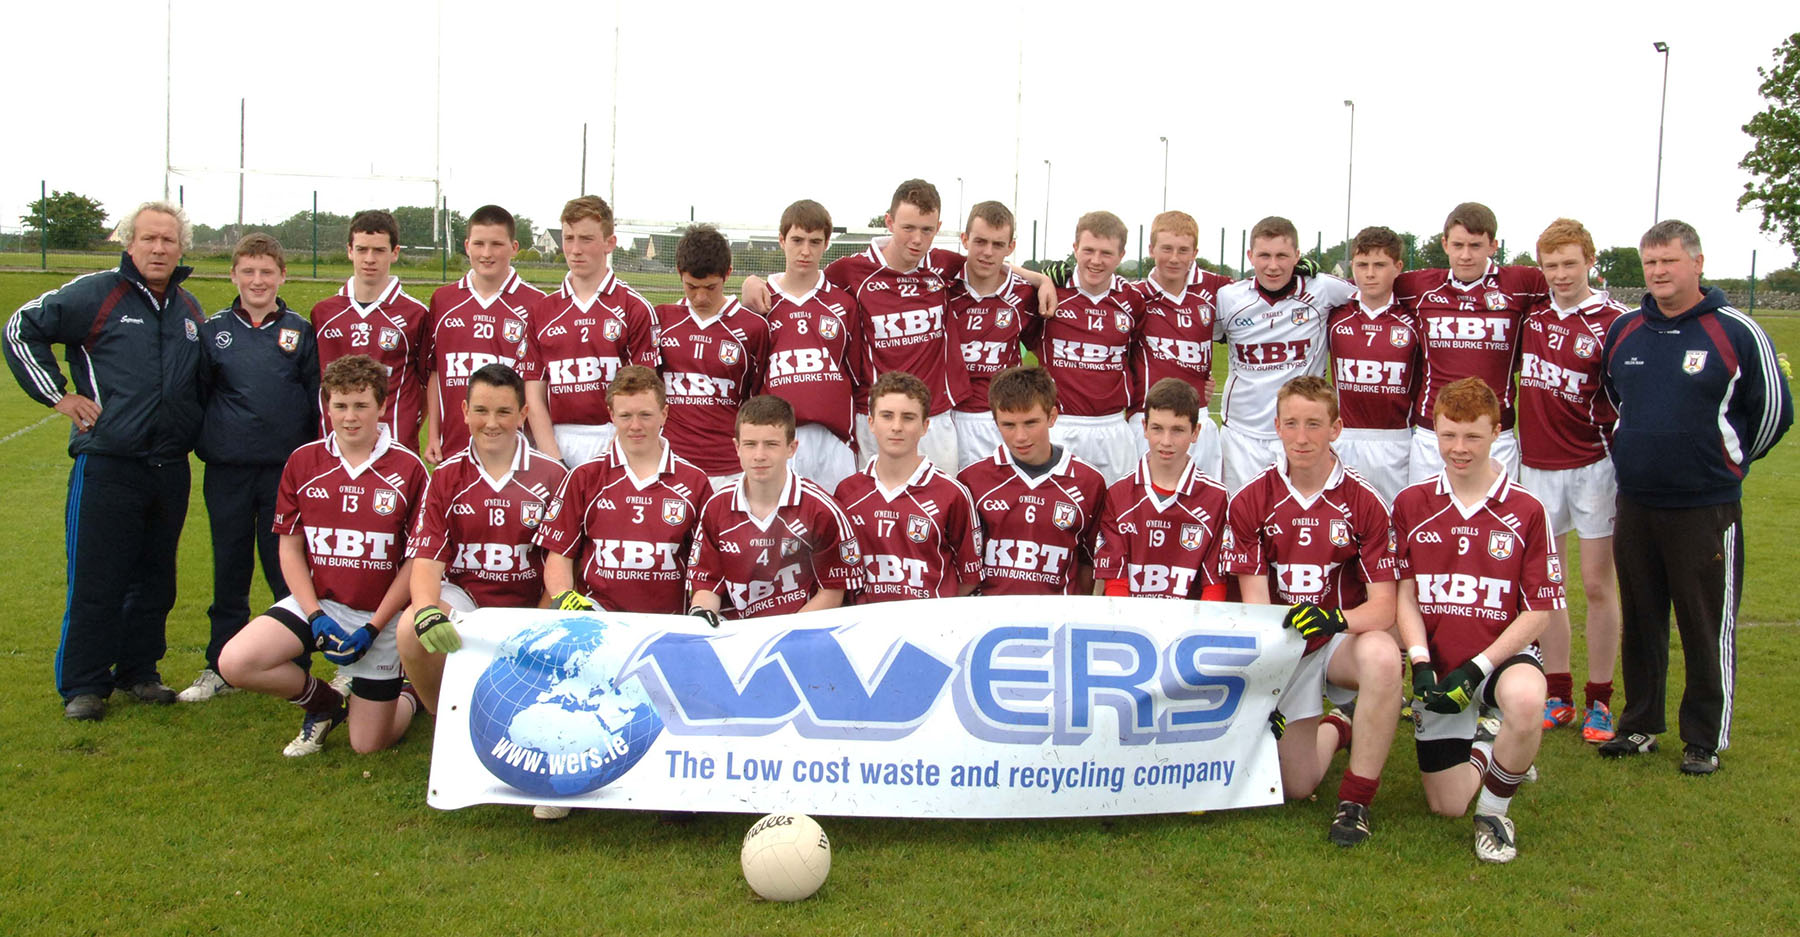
{"points": [[786, 857]]}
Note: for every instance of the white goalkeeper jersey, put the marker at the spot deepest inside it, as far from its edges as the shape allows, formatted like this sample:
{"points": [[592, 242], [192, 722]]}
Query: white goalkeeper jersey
{"points": [[1271, 339]]}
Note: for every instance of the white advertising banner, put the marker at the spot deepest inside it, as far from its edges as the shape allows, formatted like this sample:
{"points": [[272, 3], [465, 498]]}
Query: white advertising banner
{"points": [[1040, 706]]}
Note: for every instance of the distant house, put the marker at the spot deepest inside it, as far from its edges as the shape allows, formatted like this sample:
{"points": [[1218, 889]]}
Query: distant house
{"points": [[548, 242]]}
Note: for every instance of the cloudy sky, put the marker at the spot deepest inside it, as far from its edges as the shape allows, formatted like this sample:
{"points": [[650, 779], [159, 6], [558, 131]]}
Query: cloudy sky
{"points": [[732, 110]]}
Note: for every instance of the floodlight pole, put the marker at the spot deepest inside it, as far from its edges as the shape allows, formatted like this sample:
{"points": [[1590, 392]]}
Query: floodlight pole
{"points": [[1656, 210], [1046, 211], [1349, 179], [168, 97], [1018, 120], [612, 175], [959, 203], [437, 133], [583, 189], [240, 224], [1165, 143]]}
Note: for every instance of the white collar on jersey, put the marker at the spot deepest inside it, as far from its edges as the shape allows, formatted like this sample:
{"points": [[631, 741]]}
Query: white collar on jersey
{"points": [[1333, 480], [790, 496], [507, 285], [775, 281], [1595, 300], [583, 303], [1492, 268], [521, 460], [725, 311], [912, 481], [382, 441], [878, 253], [1190, 478], [1004, 456], [1175, 298], [1468, 511], [664, 465], [1363, 307], [1007, 278], [387, 292]]}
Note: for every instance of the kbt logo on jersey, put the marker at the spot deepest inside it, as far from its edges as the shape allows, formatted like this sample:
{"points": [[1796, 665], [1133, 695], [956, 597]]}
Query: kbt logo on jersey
{"points": [[386, 501], [917, 528], [390, 339], [531, 513], [1063, 516], [612, 329], [730, 352], [1190, 536], [1339, 532], [513, 330], [1500, 545], [674, 511], [828, 328]]}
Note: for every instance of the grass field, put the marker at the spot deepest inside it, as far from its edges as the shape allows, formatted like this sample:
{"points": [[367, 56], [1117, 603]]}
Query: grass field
{"points": [[187, 819]]}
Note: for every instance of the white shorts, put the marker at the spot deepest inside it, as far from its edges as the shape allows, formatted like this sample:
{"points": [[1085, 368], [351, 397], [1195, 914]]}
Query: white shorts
{"points": [[1205, 452], [976, 437], [455, 598], [382, 662], [1431, 727], [1103, 442], [1245, 456], [1380, 456], [1307, 688], [1580, 499], [582, 442], [1427, 461], [821, 456], [938, 444]]}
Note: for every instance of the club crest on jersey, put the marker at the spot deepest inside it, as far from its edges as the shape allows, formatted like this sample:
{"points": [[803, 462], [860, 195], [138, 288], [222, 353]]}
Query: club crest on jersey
{"points": [[1301, 315], [1393, 540], [553, 509], [790, 546], [288, 340], [513, 331], [386, 501], [531, 513], [193, 331], [1694, 362], [1585, 346], [917, 528], [1495, 300], [612, 329], [1339, 532], [848, 552], [1399, 335], [1554, 564], [1122, 321], [1003, 318], [1190, 536], [1226, 541], [390, 339], [674, 511], [828, 328], [1500, 545], [730, 352], [1063, 516]]}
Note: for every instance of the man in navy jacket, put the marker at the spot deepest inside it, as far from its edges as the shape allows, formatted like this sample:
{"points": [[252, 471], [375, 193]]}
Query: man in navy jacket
{"points": [[1700, 396]]}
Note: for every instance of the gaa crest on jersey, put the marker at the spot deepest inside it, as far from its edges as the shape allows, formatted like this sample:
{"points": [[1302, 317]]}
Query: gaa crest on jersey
{"points": [[288, 340], [531, 513], [828, 328], [917, 528], [1399, 335], [1495, 300], [674, 511], [386, 501], [612, 329], [513, 331], [1585, 346], [1554, 566], [1339, 532], [1003, 318], [1190, 536], [730, 352], [1063, 516], [1500, 545], [193, 331], [1122, 321], [1694, 362], [390, 339]]}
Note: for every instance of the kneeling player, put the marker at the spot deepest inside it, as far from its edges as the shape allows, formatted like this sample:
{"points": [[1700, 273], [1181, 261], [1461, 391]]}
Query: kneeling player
{"points": [[1479, 576], [342, 512], [471, 546], [1159, 535], [915, 523], [1039, 505], [774, 543], [1310, 533]]}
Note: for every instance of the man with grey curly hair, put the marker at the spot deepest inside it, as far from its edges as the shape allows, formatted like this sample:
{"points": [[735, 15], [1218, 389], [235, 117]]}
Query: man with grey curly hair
{"points": [[132, 341]]}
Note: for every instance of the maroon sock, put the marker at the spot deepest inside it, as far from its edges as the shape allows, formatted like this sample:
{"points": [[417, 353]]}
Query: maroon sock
{"points": [[317, 696], [1559, 686], [1478, 756], [1599, 693], [1500, 782], [1358, 789], [1343, 727]]}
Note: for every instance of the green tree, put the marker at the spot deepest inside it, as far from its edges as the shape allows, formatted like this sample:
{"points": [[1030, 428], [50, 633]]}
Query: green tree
{"points": [[1785, 281], [524, 230], [1775, 157], [72, 221], [1620, 266], [1523, 259], [1430, 256]]}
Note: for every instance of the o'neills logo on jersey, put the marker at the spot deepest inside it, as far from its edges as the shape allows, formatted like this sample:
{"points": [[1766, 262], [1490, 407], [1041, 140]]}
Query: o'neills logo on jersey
{"points": [[390, 339], [1190, 536], [1495, 300], [1339, 533], [1063, 516], [612, 329], [1694, 362], [287, 340], [1398, 336], [828, 328], [1585, 346], [730, 352], [917, 528], [513, 330], [1500, 545], [674, 511], [386, 502], [531, 513]]}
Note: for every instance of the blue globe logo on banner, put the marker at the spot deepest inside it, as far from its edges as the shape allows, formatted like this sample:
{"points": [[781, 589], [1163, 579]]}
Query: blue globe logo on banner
{"points": [[549, 716]]}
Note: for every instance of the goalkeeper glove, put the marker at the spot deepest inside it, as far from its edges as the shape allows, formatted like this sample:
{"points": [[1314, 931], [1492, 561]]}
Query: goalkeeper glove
{"points": [[1423, 680], [1315, 622], [1306, 268], [705, 614], [326, 632], [1277, 723], [435, 632], [569, 600], [1456, 691], [351, 648]]}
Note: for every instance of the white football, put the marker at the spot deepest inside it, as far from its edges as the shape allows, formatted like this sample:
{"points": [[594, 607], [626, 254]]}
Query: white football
{"points": [[786, 857]]}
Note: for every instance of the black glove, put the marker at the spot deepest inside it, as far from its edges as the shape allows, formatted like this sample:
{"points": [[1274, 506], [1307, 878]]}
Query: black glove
{"points": [[705, 614], [1456, 691], [1315, 622]]}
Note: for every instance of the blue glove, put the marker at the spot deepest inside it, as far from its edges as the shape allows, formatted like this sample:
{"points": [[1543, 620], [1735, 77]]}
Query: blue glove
{"points": [[352, 647], [327, 634]]}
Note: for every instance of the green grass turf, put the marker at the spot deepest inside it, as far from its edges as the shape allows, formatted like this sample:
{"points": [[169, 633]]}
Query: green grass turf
{"points": [[186, 819]]}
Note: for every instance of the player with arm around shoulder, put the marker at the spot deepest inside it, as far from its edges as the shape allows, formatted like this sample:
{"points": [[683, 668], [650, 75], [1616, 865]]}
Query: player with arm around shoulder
{"points": [[1160, 532], [1309, 533], [372, 315], [1174, 337], [472, 546], [1375, 365], [1479, 575], [342, 512]]}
